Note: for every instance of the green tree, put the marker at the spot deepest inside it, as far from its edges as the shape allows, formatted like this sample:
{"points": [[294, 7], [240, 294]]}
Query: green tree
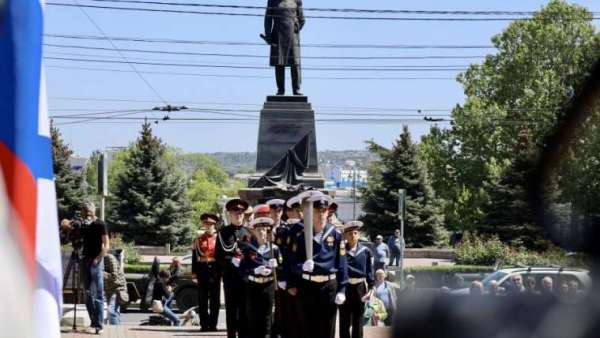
{"points": [[150, 203], [522, 87], [400, 167], [70, 194]]}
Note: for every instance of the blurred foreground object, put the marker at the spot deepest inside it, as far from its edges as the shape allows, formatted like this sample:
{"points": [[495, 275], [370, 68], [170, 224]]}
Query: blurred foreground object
{"points": [[30, 250]]}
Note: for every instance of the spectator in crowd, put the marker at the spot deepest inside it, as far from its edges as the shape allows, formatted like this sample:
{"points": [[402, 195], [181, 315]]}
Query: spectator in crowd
{"points": [[531, 289], [547, 287], [382, 254], [494, 288], [563, 291], [517, 284], [115, 288], [395, 244], [386, 292], [410, 284], [476, 289], [163, 292], [248, 216], [175, 271], [574, 291]]}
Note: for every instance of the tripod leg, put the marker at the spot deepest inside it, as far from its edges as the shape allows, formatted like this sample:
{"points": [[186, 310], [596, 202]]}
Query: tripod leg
{"points": [[68, 271]]}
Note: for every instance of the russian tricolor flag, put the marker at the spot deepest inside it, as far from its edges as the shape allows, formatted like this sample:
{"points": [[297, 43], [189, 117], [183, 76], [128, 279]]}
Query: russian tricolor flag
{"points": [[29, 239]]}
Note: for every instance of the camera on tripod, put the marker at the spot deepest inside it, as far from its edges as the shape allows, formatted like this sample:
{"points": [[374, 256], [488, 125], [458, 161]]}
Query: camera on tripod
{"points": [[72, 231]]}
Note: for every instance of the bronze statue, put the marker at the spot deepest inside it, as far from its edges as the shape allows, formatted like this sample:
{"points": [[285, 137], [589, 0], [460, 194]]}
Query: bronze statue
{"points": [[284, 20]]}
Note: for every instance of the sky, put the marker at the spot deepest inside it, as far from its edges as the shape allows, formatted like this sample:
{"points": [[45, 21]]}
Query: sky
{"points": [[77, 87]]}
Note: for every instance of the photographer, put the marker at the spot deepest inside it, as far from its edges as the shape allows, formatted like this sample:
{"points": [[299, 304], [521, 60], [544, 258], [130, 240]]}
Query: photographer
{"points": [[93, 236]]}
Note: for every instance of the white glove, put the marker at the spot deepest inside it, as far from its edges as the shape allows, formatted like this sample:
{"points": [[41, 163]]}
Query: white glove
{"points": [[340, 298], [262, 270], [308, 266], [236, 261], [282, 285], [272, 263]]}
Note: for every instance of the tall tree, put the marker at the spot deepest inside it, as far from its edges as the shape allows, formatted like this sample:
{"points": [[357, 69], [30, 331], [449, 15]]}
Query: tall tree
{"points": [[400, 168], [538, 64], [150, 203], [70, 193]]}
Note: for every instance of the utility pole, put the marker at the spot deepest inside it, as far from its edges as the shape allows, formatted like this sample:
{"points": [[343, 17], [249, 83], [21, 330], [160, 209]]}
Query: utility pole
{"points": [[354, 193], [103, 183], [401, 215]]}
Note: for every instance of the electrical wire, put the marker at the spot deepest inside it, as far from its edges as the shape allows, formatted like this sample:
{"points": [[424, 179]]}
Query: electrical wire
{"points": [[362, 18], [370, 69], [242, 43], [133, 50]]}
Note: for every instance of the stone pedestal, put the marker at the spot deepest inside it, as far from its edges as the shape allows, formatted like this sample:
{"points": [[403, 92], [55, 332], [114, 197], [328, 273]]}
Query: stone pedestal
{"points": [[284, 121]]}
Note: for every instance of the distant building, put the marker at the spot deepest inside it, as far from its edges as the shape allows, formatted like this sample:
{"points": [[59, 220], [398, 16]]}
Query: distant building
{"points": [[342, 178]]}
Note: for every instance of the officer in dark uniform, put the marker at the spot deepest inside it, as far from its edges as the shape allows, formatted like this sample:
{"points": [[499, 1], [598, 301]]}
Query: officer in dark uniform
{"points": [[228, 256], [206, 273], [260, 258], [360, 281], [324, 275]]}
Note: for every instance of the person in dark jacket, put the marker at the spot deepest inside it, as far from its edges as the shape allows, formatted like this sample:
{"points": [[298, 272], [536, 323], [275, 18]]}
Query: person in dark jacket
{"points": [[360, 282], [228, 255], [323, 275], [163, 292], [260, 258]]}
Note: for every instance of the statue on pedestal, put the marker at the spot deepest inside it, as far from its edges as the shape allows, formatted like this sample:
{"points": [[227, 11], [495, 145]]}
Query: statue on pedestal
{"points": [[284, 20]]}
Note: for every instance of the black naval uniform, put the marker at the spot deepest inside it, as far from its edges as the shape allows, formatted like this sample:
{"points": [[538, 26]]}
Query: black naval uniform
{"points": [[318, 289], [288, 318], [259, 290], [360, 280], [229, 239], [208, 274]]}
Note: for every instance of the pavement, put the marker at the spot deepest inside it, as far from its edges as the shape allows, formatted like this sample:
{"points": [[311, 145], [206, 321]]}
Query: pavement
{"points": [[131, 327]]}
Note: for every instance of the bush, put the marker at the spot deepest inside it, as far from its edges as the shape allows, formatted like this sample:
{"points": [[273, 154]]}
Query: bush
{"points": [[131, 253], [477, 250]]}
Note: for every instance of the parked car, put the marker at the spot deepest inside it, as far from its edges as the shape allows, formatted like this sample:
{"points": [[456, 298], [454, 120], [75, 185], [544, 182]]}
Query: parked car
{"points": [[559, 275]]}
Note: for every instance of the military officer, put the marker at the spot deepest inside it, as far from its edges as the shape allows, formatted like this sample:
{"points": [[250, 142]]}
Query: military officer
{"points": [[260, 258], [360, 281], [324, 275], [206, 273], [228, 256]]}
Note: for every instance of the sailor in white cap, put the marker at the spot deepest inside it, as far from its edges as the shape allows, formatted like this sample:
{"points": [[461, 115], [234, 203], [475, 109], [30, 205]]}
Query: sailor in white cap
{"points": [[360, 281], [260, 258], [280, 232], [323, 275]]}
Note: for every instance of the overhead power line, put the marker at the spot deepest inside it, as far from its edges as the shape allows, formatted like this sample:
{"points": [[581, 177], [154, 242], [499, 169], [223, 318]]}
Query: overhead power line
{"points": [[341, 10], [242, 43], [263, 56], [370, 69], [121, 54], [362, 18], [221, 63]]}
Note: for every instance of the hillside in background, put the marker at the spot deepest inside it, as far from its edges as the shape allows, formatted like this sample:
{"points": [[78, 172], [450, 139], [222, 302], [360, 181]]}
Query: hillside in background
{"points": [[237, 163]]}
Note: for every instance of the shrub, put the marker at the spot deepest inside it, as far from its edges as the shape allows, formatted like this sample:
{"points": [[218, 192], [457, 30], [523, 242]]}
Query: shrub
{"points": [[477, 250], [131, 253]]}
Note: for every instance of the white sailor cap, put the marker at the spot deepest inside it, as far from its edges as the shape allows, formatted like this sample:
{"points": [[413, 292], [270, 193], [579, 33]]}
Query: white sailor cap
{"points": [[321, 201], [260, 222], [351, 225], [276, 203], [298, 199]]}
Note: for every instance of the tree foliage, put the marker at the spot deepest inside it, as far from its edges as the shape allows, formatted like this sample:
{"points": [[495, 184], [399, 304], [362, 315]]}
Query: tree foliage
{"points": [[149, 202], [70, 194], [400, 168], [518, 91]]}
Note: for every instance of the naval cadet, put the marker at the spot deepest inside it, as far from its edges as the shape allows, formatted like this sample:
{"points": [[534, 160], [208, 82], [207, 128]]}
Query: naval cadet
{"points": [[260, 258], [324, 275], [228, 255], [360, 281], [207, 274]]}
